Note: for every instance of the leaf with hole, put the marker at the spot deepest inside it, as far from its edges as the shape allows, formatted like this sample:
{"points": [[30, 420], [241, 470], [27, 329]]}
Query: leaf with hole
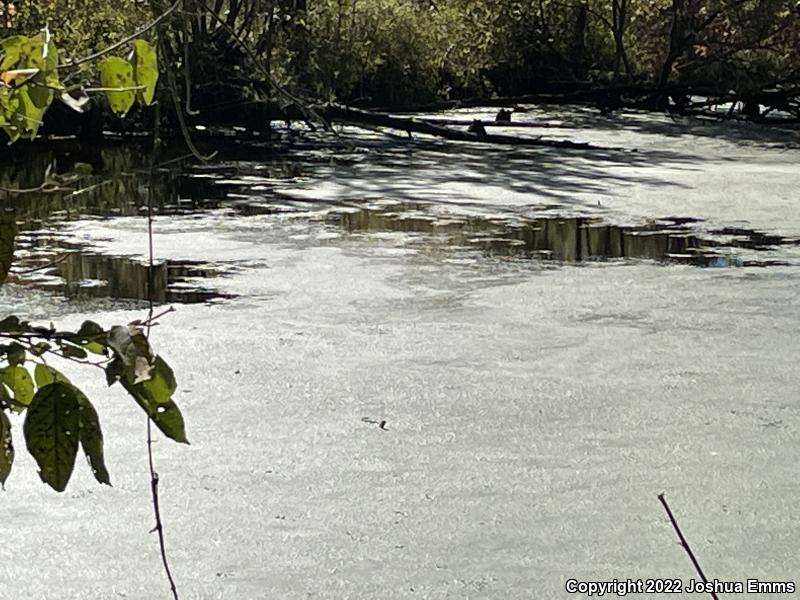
{"points": [[162, 383], [166, 415], [51, 432], [117, 74]]}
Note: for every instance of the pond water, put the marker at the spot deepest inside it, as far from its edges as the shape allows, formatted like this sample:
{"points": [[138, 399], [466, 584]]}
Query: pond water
{"points": [[553, 337]]}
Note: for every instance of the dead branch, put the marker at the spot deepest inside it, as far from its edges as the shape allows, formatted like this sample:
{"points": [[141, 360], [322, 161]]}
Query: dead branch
{"points": [[346, 114]]}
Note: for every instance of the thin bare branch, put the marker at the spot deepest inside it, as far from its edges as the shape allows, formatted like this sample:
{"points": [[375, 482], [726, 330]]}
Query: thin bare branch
{"points": [[685, 544]]}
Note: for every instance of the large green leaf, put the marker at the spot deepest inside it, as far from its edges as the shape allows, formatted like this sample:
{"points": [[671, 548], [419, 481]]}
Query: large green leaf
{"points": [[91, 439], [44, 57], [117, 73], [19, 380], [6, 448], [51, 432], [145, 70]]}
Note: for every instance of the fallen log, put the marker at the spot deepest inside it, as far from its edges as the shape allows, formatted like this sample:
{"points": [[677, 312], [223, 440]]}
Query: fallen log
{"points": [[440, 121], [341, 113]]}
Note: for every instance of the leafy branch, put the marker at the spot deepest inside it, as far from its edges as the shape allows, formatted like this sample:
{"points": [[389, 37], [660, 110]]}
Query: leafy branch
{"points": [[58, 416], [30, 81]]}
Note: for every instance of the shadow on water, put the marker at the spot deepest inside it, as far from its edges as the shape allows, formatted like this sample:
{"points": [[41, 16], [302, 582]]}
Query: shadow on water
{"points": [[570, 239], [475, 175], [420, 179], [768, 135]]}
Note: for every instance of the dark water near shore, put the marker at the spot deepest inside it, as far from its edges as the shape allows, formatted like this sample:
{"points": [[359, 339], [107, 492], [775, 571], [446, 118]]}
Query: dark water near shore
{"points": [[47, 259]]}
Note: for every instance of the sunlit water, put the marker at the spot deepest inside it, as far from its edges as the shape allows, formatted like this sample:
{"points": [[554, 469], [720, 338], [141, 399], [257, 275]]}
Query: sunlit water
{"points": [[552, 338]]}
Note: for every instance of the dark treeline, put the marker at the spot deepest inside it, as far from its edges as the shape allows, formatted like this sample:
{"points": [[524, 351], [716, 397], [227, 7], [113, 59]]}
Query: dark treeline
{"points": [[412, 52]]}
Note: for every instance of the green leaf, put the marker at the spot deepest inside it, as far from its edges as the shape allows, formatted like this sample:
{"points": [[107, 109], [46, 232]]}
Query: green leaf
{"points": [[95, 348], [162, 383], [40, 94], [89, 329], [51, 432], [117, 73], [91, 439], [27, 118], [40, 348], [19, 380], [12, 50], [71, 351], [166, 415], [145, 70], [6, 401], [93, 335], [45, 375], [6, 448]]}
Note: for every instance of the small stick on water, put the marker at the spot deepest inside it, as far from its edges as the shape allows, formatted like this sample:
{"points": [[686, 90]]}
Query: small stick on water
{"points": [[380, 424], [685, 544]]}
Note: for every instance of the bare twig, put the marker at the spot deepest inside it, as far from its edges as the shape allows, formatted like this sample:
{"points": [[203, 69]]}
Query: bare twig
{"points": [[685, 544], [151, 320], [159, 527]]}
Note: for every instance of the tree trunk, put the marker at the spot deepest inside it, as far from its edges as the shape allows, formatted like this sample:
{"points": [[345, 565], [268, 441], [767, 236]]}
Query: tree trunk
{"points": [[579, 41], [619, 19], [675, 43]]}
